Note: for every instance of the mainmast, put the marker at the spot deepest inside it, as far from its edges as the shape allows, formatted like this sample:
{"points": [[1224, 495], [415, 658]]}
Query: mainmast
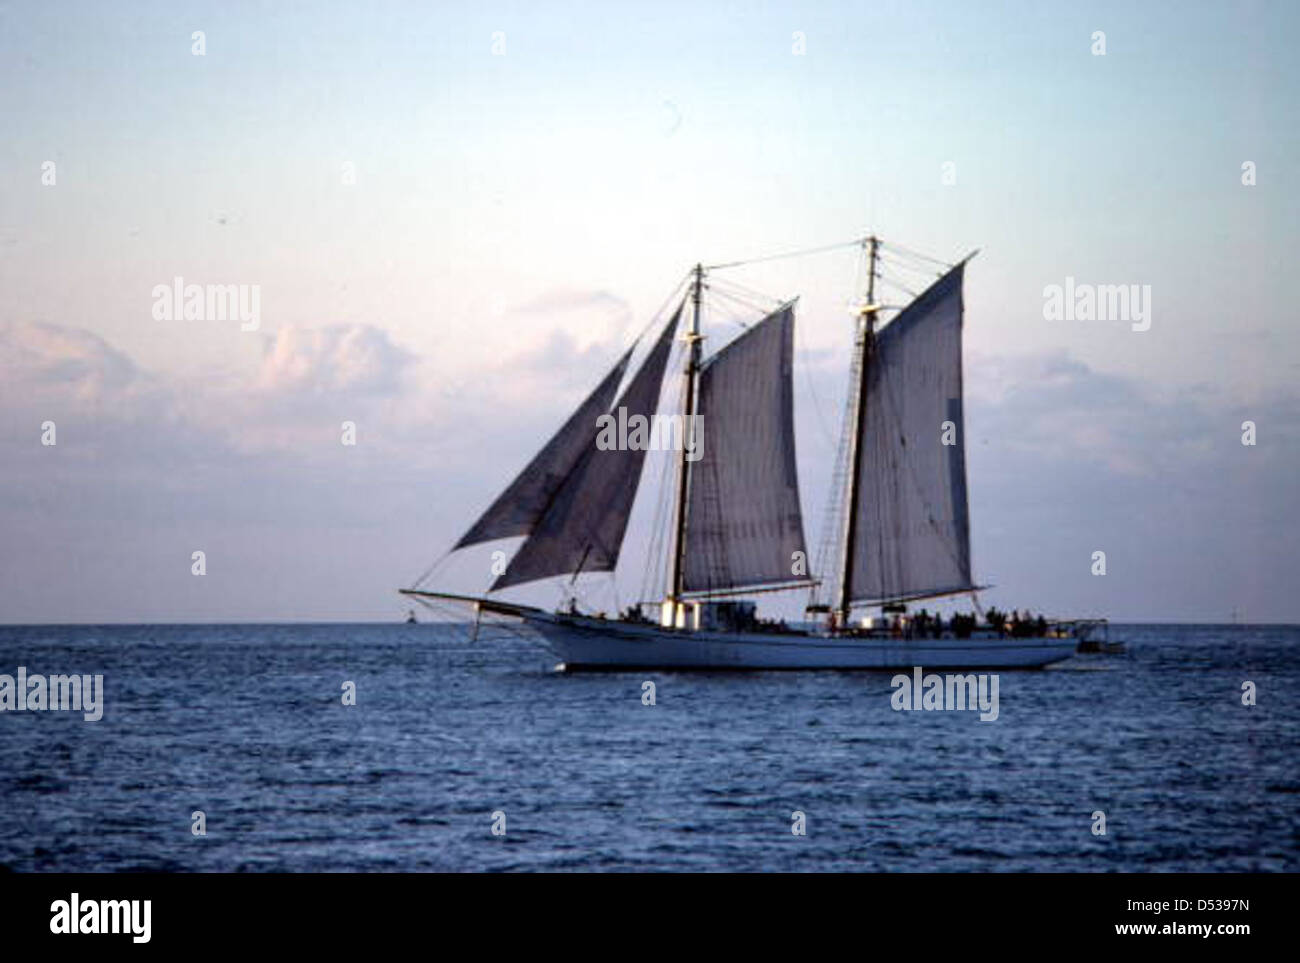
{"points": [[862, 350], [678, 567]]}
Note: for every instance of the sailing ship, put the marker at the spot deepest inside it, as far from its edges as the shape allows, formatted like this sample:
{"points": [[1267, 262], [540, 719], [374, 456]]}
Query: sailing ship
{"points": [[897, 529]]}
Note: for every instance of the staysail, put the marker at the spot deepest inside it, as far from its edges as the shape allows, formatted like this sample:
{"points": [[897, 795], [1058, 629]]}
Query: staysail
{"points": [[744, 526], [518, 509], [912, 535], [581, 527]]}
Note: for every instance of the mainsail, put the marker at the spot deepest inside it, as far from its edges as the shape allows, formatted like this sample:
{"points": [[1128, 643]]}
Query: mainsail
{"points": [[744, 526], [912, 534], [519, 508], [582, 525]]}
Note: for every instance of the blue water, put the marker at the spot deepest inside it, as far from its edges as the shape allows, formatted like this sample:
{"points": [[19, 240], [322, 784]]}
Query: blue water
{"points": [[246, 724]]}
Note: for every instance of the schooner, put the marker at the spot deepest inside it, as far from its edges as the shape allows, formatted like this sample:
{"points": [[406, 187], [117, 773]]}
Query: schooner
{"points": [[898, 529]]}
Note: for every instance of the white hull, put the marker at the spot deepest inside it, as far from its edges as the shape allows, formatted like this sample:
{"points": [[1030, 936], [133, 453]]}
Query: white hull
{"points": [[589, 643]]}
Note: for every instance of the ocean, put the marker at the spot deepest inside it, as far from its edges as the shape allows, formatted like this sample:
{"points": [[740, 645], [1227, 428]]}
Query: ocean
{"points": [[247, 725]]}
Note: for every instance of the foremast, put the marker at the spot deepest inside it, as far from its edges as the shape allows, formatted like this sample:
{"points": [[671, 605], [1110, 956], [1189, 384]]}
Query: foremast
{"points": [[677, 567], [866, 322]]}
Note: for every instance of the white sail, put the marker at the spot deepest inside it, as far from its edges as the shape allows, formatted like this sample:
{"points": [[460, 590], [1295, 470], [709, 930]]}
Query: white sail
{"points": [[582, 526], [912, 534], [744, 526]]}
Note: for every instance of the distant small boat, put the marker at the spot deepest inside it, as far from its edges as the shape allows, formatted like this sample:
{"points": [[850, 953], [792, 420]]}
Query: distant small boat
{"points": [[897, 530], [410, 617], [1094, 638]]}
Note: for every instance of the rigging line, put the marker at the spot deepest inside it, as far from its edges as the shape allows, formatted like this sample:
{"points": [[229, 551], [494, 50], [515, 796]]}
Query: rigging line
{"points": [[658, 315], [583, 596], [859, 265], [720, 291], [835, 507], [667, 301], [658, 519], [739, 308], [661, 549], [657, 557], [745, 289], [430, 570], [906, 260], [898, 248], [812, 386], [900, 280], [754, 292], [900, 286], [924, 271], [656, 572], [748, 306], [666, 534], [776, 257]]}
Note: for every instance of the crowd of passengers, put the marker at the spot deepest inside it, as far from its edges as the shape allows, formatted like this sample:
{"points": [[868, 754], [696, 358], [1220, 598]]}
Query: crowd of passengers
{"points": [[923, 625]]}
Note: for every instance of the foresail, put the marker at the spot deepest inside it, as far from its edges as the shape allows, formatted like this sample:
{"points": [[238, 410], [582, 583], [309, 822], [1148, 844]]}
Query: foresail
{"points": [[582, 527], [912, 536], [744, 526], [518, 509]]}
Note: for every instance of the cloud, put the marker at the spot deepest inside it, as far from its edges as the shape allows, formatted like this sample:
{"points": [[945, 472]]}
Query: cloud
{"points": [[1063, 459], [584, 319], [125, 418], [355, 359], [514, 398], [46, 359], [1054, 406]]}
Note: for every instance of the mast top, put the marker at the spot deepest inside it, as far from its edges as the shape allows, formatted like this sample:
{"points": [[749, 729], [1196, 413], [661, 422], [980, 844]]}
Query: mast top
{"points": [[692, 334]]}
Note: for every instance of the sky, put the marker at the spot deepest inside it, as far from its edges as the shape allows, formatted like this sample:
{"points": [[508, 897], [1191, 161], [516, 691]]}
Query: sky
{"points": [[459, 215]]}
